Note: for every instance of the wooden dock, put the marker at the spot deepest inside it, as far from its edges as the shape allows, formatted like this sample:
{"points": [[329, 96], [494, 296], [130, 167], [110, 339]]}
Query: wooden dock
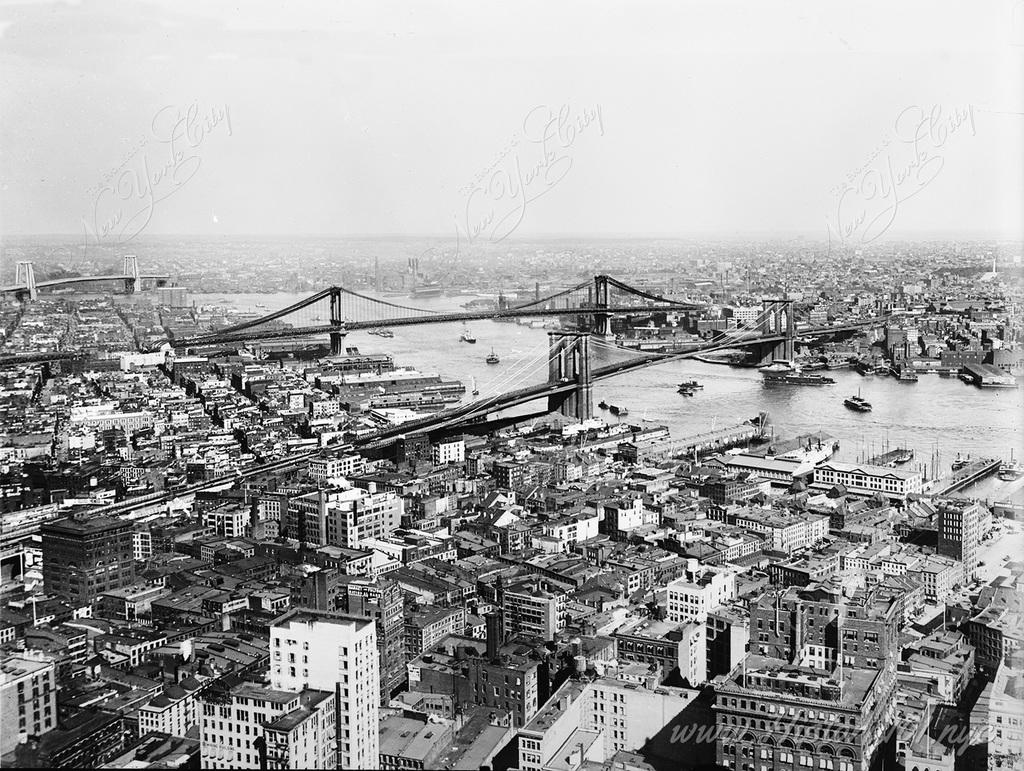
{"points": [[968, 475]]}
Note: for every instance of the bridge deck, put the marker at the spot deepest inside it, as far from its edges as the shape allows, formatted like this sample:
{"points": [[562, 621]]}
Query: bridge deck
{"points": [[82, 280]]}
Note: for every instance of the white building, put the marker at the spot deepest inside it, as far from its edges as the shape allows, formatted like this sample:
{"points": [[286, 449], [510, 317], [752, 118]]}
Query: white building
{"points": [[28, 698], [321, 649], [861, 479], [693, 653], [449, 452], [746, 315], [998, 719], [699, 591], [297, 727], [229, 521], [173, 712], [572, 529], [104, 416], [346, 517], [323, 469], [588, 720], [531, 609]]}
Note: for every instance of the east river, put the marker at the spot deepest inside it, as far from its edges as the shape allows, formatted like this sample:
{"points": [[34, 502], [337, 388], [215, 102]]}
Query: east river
{"points": [[934, 415]]}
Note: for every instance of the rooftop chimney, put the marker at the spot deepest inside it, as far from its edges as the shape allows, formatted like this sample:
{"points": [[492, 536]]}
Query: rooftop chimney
{"points": [[495, 634]]}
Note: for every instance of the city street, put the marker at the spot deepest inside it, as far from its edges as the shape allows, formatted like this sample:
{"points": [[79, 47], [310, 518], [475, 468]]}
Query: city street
{"points": [[1007, 542]]}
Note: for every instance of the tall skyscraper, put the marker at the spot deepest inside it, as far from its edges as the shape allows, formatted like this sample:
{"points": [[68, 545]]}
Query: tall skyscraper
{"points": [[333, 651], [960, 534], [382, 600], [82, 558]]}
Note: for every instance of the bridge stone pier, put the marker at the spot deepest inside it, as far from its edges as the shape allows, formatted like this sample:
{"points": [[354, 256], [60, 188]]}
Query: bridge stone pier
{"points": [[777, 319], [602, 321], [338, 321], [26, 276], [569, 359], [131, 272]]}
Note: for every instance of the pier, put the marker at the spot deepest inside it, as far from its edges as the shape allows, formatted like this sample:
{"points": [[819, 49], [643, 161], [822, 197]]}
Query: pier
{"points": [[892, 458], [968, 475]]}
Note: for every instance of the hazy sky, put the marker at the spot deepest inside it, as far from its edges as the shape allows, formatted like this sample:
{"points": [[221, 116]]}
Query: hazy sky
{"points": [[882, 119]]}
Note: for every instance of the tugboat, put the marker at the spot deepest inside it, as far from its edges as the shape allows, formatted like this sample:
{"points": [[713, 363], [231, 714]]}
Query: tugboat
{"points": [[467, 336], [690, 385], [857, 403], [476, 391], [492, 358], [602, 405], [1011, 469], [959, 463], [685, 391]]}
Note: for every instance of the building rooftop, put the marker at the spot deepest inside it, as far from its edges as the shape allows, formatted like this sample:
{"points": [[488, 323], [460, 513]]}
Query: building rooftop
{"points": [[412, 738], [309, 700], [311, 616]]}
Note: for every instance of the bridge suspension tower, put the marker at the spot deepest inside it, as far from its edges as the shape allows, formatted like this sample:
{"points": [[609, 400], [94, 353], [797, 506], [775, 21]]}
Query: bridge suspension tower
{"points": [[569, 361]]}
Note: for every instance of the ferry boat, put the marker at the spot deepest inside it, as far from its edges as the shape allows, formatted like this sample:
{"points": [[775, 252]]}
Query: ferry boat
{"points": [[857, 403], [797, 378], [1011, 469], [959, 463], [685, 391], [838, 362], [492, 358], [690, 385], [382, 332], [427, 290], [616, 410], [467, 336]]}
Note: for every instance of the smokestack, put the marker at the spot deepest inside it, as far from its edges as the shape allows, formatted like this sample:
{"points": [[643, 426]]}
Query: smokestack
{"points": [[495, 634]]}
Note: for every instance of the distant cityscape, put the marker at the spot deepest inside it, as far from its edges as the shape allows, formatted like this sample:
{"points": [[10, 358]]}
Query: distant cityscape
{"points": [[373, 503]]}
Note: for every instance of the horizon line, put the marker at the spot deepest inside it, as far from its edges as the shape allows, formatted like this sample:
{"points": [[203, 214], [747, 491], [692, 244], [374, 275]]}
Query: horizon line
{"points": [[788, 235]]}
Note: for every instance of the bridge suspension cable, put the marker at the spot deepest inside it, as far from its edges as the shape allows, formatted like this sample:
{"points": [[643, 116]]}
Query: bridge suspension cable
{"points": [[639, 292], [544, 300], [378, 301]]}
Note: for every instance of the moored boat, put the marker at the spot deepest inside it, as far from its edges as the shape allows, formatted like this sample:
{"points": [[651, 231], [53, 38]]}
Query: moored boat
{"points": [[1011, 469], [797, 378]]}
